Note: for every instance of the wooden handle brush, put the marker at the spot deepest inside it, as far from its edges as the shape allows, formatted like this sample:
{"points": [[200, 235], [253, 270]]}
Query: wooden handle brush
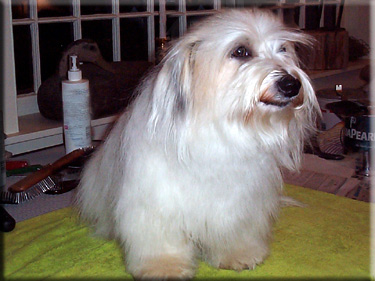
{"points": [[24, 184], [40, 181]]}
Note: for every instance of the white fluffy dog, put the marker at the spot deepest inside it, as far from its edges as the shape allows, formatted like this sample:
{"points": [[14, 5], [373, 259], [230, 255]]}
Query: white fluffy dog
{"points": [[193, 166]]}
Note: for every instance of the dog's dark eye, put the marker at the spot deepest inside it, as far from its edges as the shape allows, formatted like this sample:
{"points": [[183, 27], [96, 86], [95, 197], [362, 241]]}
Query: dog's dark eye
{"points": [[282, 50], [241, 52]]}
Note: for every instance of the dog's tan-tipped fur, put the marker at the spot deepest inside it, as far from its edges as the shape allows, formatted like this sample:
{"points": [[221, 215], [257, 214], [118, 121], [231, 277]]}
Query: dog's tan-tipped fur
{"points": [[193, 167], [165, 267]]}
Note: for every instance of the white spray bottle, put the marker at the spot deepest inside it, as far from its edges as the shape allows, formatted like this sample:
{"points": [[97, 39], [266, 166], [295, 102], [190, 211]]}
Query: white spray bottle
{"points": [[76, 109]]}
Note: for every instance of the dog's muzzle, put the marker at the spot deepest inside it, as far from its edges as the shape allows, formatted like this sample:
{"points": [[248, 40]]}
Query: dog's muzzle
{"points": [[288, 86], [284, 91]]}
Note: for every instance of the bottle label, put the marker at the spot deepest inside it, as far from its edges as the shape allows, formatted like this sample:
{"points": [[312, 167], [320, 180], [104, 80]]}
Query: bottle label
{"points": [[77, 121]]}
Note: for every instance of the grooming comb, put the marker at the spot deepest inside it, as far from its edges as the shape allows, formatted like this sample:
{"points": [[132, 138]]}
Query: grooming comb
{"points": [[39, 181]]}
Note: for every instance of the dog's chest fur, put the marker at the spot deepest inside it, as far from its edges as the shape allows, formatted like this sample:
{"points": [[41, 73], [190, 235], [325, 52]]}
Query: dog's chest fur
{"points": [[214, 187]]}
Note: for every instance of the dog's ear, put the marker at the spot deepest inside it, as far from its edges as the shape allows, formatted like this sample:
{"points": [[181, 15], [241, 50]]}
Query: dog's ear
{"points": [[175, 75], [172, 86]]}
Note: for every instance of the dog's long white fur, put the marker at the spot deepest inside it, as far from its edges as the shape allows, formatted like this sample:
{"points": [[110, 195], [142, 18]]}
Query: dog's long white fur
{"points": [[193, 165]]}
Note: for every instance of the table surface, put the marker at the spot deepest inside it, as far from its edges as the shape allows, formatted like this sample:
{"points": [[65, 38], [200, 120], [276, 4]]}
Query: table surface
{"points": [[327, 239]]}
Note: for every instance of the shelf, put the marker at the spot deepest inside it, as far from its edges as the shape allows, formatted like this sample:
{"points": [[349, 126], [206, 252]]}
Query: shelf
{"points": [[37, 132], [352, 65]]}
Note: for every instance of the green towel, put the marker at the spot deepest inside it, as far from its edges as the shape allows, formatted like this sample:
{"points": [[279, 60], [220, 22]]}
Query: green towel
{"points": [[330, 238]]}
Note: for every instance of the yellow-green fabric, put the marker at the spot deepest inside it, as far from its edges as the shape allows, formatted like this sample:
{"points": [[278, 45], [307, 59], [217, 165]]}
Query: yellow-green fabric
{"points": [[329, 238]]}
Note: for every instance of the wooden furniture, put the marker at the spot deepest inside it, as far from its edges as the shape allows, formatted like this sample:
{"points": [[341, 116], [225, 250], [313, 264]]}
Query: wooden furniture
{"points": [[331, 50]]}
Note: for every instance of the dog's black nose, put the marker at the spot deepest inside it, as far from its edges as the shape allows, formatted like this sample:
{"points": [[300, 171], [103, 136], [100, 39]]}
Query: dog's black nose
{"points": [[288, 86]]}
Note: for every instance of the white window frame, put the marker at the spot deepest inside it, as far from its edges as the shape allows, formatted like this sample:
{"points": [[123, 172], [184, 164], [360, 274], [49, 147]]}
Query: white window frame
{"points": [[9, 91], [22, 110]]}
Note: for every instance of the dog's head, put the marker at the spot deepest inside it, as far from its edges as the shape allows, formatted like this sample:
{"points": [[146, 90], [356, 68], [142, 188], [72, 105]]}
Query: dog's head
{"points": [[241, 67]]}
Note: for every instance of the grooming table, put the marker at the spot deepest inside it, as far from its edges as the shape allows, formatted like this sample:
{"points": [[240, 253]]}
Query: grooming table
{"points": [[330, 238]]}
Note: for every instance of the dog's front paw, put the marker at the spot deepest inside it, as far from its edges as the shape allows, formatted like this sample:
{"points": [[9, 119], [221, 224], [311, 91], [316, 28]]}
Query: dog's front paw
{"points": [[241, 260], [165, 268]]}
